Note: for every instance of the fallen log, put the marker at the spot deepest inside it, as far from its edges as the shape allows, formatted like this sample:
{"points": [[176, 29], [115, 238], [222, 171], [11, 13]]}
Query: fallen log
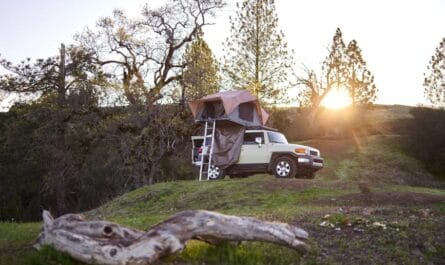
{"points": [[103, 242]]}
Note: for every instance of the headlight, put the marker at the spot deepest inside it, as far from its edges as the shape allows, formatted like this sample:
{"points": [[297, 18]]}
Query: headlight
{"points": [[301, 151]]}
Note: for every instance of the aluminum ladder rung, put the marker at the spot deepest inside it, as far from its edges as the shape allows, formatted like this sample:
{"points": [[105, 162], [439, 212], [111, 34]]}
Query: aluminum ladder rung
{"points": [[209, 129]]}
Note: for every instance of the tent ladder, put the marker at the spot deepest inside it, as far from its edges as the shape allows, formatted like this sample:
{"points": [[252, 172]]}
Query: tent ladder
{"points": [[206, 153]]}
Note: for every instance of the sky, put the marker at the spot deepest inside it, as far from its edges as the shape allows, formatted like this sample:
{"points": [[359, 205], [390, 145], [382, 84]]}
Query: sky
{"points": [[397, 37]]}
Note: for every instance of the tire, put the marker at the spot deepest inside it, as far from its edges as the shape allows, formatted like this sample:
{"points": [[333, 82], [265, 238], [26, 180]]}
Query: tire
{"points": [[284, 167], [216, 173]]}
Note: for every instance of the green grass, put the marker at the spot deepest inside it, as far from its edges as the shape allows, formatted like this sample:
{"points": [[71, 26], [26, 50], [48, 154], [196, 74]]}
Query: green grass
{"points": [[15, 235], [16, 242], [379, 162], [243, 254], [254, 196], [260, 196], [375, 159]]}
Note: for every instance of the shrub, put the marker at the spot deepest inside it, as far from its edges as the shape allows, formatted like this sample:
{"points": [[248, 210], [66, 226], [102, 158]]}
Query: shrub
{"points": [[426, 140]]}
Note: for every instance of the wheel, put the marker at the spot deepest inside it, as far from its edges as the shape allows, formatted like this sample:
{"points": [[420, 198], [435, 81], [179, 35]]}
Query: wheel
{"points": [[216, 173], [284, 167]]}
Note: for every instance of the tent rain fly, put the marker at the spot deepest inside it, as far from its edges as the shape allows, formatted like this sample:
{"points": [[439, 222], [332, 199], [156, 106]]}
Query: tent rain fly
{"points": [[234, 111]]}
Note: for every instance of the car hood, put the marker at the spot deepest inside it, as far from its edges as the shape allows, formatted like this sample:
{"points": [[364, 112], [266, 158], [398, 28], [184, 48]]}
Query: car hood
{"points": [[292, 147]]}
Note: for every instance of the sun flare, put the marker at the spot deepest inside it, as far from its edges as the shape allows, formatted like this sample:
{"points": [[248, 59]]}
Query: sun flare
{"points": [[336, 99]]}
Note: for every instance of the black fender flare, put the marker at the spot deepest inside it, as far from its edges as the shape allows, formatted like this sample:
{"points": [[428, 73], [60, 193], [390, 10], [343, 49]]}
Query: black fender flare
{"points": [[275, 155]]}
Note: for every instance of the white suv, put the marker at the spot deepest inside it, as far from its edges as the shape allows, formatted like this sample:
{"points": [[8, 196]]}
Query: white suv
{"points": [[265, 151]]}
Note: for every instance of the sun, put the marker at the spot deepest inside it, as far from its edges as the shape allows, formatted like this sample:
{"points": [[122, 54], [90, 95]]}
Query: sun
{"points": [[336, 99]]}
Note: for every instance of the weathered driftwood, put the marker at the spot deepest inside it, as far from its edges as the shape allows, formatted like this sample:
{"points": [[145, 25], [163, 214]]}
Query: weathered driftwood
{"points": [[103, 242]]}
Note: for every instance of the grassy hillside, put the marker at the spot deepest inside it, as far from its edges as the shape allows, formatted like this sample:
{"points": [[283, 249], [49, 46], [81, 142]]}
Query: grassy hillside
{"points": [[372, 204]]}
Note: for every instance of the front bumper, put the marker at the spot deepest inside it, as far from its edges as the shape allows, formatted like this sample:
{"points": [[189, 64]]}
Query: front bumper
{"points": [[311, 163]]}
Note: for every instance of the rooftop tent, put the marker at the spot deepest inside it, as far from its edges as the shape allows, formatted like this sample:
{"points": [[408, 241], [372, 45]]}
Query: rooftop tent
{"points": [[234, 111], [238, 106]]}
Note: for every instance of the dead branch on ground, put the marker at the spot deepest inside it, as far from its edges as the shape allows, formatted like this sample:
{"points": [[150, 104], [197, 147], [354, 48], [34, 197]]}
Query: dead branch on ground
{"points": [[104, 242]]}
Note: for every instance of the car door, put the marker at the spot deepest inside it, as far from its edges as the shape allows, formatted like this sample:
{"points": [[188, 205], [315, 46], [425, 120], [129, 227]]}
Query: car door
{"points": [[252, 152]]}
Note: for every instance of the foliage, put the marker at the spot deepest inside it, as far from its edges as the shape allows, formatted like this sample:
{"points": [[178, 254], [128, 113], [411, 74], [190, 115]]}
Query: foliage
{"points": [[279, 118], [360, 81], [71, 73], [46, 147], [345, 123], [144, 54], [257, 57], [22, 166], [434, 82], [70, 159], [335, 64], [426, 141], [381, 161], [332, 75], [68, 152], [305, 203], [309, 92], [343, 68], [154, 137], [200, 76]]}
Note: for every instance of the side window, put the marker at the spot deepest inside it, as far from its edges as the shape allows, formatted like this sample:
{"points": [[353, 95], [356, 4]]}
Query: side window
{"points": [[277, 138], [249, 138]]}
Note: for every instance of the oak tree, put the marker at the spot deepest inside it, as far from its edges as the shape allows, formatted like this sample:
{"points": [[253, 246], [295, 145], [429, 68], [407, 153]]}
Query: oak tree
{"points": [[145, 53]]}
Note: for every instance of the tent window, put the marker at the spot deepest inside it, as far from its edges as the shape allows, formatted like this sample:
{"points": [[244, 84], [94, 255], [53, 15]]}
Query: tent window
{"points": [[246, 111], [213, 110]]}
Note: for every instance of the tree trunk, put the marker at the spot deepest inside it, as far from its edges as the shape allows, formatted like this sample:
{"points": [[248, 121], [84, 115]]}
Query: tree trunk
{"points": [[151, 175], [353, 87], [257, 51], [103, 242], [61, 91]]}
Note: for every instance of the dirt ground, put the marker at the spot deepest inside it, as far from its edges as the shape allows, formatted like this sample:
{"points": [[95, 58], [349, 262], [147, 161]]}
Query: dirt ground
{"points": [[384, 198], [378, 228]]}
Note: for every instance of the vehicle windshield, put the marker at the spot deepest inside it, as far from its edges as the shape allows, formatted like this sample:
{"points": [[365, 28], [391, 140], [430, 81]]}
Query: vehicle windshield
{"points": [[277, 138]]}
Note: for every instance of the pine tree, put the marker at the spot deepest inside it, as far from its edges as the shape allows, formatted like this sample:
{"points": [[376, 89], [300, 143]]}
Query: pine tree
{"points": [[343, 68], [434, 82], [257, 57], [333, 75], [335, 65], [200, 77], [360, 81]]}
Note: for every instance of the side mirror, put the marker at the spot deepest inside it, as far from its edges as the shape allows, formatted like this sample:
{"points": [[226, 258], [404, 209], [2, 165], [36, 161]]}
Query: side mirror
{"points": [[258, 140]]}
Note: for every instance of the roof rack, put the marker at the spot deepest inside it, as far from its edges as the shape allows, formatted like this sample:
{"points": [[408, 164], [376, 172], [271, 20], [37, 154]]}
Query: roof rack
{"points": [[261, 128]]}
